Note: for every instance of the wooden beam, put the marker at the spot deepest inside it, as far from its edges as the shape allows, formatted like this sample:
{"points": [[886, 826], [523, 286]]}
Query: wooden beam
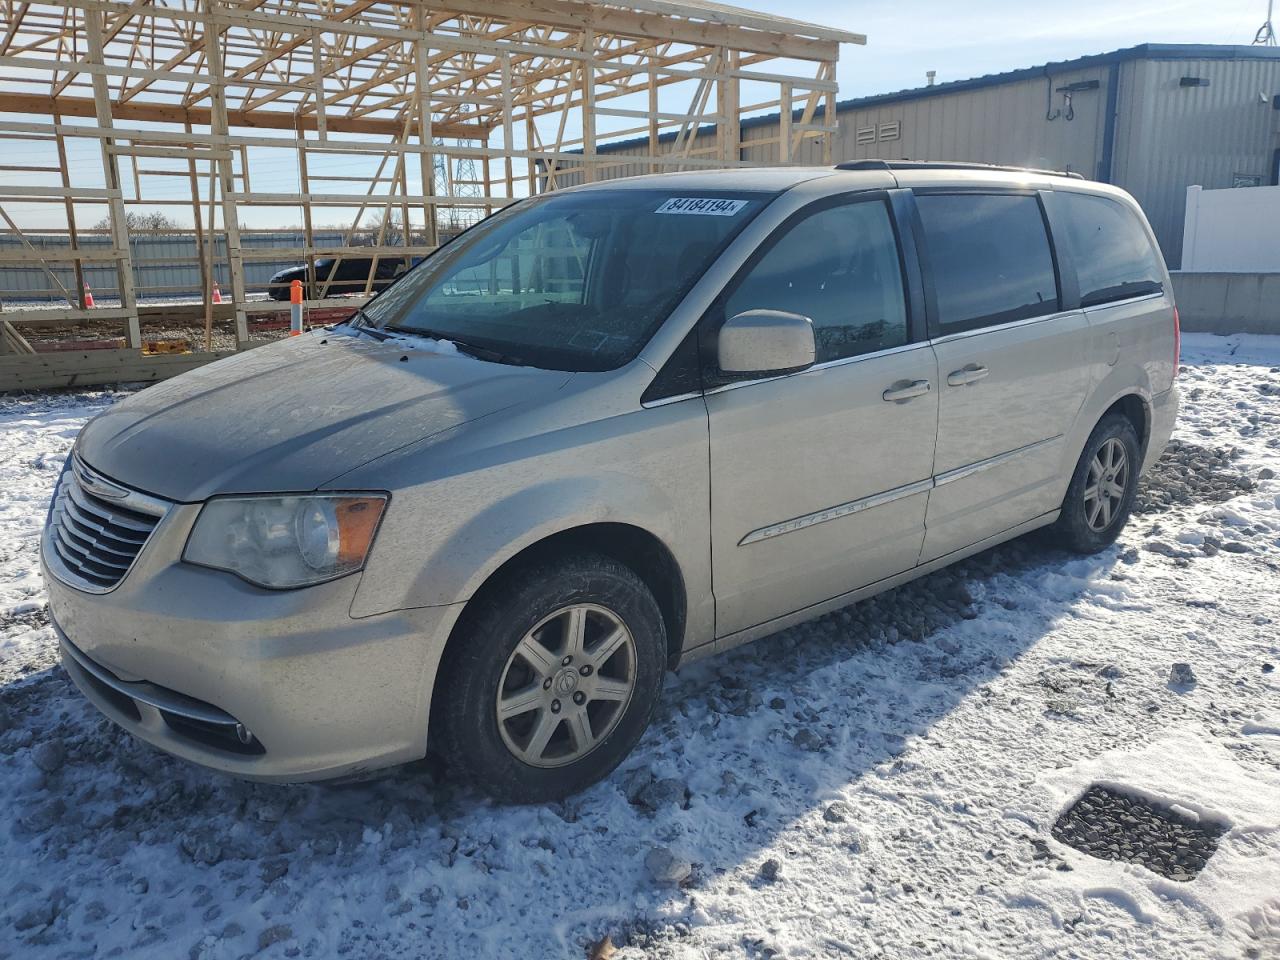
{"points": [[93, 21], [38, 104], [42, 371]]}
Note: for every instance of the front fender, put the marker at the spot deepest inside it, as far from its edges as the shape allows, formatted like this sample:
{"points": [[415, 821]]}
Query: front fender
{"points": [[456, 565]]}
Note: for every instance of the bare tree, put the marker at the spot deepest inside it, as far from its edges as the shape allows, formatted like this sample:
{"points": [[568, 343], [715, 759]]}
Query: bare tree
{"points": [[141, 221]]}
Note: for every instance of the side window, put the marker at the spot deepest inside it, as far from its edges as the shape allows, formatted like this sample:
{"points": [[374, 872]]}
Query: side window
{"points": [[989, 258], [838, 267], [1113, 256]]}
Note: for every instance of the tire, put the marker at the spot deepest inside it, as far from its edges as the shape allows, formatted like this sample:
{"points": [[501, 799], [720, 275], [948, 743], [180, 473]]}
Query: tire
{"points": [[514, 643], [1090, 523]]}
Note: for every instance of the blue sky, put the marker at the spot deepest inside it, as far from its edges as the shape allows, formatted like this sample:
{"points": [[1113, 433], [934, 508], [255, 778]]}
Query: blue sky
{"points": [[960, 40]]}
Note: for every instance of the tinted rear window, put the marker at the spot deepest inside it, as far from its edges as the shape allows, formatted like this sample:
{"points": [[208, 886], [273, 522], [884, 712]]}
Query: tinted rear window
{"points": [[1113, 255], [989, 259]]}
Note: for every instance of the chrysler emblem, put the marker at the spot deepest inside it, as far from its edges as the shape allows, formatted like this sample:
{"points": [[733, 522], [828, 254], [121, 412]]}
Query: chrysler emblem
{"points": [[99, 486]]}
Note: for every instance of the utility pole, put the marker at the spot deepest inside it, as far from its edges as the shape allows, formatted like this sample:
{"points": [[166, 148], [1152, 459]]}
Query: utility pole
{"points": [[1266, 35]]}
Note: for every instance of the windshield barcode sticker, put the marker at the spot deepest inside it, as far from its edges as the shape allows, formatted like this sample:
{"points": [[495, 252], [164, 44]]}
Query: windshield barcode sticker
{"points": [[706, 206]]}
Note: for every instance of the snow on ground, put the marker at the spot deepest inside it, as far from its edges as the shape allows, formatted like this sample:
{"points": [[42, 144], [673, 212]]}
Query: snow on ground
{"points": [[879, 783]]}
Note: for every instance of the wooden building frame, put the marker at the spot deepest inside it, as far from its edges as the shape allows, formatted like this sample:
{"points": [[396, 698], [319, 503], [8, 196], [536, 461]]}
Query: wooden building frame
{"points": [[401, 118]]}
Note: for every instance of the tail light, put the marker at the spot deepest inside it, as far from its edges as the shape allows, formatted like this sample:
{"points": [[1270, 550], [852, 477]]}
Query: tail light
{"points": [[1177, 343]]}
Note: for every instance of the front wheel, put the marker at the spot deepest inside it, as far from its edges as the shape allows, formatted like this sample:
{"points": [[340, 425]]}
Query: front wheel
{"points": [[1102, 489], [551, 680]]}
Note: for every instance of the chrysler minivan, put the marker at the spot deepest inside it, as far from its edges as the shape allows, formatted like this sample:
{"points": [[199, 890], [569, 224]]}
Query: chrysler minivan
{"points": [[607, 431]]}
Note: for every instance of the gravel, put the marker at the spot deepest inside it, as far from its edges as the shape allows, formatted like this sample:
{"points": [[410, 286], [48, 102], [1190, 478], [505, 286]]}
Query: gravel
{"points": [[1188, 473], [1114, 826]]}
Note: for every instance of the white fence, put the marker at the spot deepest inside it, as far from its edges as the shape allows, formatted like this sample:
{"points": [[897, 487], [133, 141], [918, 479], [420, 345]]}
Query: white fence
{"points": [[1232, 231]]}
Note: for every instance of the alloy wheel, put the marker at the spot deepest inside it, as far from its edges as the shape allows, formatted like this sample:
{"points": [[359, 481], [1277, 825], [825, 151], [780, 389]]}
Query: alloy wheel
{"points": [[1104, 490], [566, 685]]}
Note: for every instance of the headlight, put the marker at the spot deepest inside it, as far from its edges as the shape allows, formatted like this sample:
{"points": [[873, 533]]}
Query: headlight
{"points": [[283, 542]]}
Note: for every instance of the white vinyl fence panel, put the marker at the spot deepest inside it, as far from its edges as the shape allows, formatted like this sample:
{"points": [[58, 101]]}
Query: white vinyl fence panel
{"points": [[1232, 230]]}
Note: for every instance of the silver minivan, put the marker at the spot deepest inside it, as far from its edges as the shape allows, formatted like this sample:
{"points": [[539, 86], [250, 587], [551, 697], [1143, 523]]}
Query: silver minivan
{"points": [[606, 431]]}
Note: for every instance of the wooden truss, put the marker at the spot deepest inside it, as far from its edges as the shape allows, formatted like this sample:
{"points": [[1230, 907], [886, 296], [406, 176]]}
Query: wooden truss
{"points": [[398, 119]]}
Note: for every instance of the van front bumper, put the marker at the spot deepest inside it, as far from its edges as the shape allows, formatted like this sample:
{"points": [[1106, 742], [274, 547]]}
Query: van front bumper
{"points": [[266, 685]]}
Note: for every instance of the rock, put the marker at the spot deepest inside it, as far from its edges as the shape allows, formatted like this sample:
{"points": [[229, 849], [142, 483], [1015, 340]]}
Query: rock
{"points": [[44, 815], [777, 703], [663, 793], [806, 739], [1181, 675], [49, 755], [837, 812], [1235, 546], [666, 868], [1266, 473], [38, 916], [274, 935], [634, 783], [269, 811], [202, 848], [273, 870], [95, 912], [770, 871], [430, 896], [1268, 667]]}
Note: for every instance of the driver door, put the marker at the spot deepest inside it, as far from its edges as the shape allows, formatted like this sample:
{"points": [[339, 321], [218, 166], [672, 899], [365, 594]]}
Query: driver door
{"points": [[820, 479]]}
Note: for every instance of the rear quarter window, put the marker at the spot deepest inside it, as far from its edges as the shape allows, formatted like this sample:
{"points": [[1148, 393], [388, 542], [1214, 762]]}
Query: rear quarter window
{"points": [[1113, 254], [989, 259]]}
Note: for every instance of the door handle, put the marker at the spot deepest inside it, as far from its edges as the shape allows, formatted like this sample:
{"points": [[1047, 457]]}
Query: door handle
{"points": [[905, 390], [969, 373]]}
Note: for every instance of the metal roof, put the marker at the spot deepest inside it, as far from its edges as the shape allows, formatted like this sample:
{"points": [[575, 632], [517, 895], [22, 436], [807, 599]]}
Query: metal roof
{"points": [[1144, 51]]}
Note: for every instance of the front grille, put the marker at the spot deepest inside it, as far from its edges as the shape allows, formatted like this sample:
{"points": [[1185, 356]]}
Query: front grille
{"points": [[96, 536]]}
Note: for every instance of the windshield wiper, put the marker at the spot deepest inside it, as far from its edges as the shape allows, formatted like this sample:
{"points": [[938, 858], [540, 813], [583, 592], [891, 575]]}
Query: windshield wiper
{"points": [[360, 322], [474, 349]]}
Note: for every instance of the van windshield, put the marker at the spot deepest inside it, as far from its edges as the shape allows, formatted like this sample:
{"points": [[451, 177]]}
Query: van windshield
{"points": [[570, 281]]}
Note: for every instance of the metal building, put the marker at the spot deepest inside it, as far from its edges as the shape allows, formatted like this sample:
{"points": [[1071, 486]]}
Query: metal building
{"points": [[1153, 119]]}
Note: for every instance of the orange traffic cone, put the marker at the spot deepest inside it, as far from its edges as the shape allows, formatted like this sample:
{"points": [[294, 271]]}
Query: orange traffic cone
{"points": [[217, 294], [88, 296]]}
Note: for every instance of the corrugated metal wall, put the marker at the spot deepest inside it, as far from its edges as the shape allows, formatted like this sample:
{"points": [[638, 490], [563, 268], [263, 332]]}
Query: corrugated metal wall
{"points": [[165, 266], [1008, 123], [1170, 136]]}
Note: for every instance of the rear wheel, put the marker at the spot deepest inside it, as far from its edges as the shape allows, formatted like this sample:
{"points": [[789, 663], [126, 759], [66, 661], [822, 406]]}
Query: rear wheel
{"points": [[552, 679], [1100, 496]]}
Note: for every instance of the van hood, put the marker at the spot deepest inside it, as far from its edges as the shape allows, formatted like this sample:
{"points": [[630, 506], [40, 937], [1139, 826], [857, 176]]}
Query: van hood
{"points": [[293, 415]]}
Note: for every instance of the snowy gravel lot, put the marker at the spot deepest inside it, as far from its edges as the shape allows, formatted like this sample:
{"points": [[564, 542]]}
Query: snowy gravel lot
{"points": [[882, 782]]}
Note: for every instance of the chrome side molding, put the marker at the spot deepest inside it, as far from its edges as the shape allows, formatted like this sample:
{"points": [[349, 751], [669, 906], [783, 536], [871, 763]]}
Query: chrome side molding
{"points": [[889, 496]]}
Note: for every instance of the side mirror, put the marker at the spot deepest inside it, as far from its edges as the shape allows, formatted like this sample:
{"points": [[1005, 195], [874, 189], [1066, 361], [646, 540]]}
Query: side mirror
{"points": [[765, 342]]}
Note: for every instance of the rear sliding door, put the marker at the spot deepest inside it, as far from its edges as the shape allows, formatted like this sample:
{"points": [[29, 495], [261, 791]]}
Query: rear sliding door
{"points": [[1013, 366]]}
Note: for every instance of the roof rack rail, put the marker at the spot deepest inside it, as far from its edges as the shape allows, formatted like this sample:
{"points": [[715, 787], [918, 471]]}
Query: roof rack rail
{"points": [[949, 165]]}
